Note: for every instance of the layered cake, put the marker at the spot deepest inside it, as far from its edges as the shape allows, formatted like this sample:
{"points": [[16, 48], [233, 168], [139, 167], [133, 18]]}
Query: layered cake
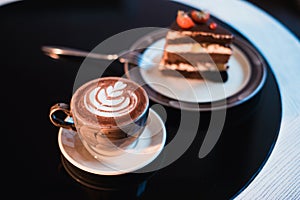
{"points": [[196, 46]]}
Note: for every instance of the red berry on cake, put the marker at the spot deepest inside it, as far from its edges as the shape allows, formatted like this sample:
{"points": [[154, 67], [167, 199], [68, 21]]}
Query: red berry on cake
{"points": [[200, 16], [183, 20], [213, 25]]}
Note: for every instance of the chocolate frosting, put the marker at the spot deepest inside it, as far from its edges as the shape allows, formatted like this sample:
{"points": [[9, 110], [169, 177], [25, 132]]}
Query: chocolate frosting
{"points": [[203, 27]]}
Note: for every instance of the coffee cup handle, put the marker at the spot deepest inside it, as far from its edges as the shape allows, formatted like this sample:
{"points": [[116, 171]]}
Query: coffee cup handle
{"points": [[59, 121]]}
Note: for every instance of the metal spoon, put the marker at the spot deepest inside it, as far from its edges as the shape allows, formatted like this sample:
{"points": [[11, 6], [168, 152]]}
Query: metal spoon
{"points": [[131, 57]]}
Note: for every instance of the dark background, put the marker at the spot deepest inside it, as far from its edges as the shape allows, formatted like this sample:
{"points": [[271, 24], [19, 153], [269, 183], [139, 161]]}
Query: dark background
{"points": [[33, 82]]}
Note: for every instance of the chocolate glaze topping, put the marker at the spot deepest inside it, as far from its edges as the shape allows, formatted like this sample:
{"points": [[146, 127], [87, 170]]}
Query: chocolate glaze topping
{"points": [[203, 27]]}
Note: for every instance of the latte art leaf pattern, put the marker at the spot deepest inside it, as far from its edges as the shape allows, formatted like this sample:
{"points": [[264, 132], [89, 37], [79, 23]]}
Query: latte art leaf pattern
{"points": [[112, 101]]}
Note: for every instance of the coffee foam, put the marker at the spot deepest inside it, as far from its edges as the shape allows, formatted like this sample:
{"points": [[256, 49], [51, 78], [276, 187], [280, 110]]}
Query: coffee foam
{"points": [[110, 101]]}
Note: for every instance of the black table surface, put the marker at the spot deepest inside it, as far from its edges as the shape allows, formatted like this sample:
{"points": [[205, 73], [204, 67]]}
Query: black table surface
{"points": [[33, 82]]}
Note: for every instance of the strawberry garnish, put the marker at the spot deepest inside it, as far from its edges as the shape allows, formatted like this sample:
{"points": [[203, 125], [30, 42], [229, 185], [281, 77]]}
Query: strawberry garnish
{"points": [[183, 20], [200, 16]]}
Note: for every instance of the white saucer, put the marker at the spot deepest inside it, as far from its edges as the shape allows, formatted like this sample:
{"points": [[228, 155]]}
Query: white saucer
{"points": [[149, 146]]}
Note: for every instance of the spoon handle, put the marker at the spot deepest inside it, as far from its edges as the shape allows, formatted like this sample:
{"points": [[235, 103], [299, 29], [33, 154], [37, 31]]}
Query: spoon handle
{"points": [[56, 51]]}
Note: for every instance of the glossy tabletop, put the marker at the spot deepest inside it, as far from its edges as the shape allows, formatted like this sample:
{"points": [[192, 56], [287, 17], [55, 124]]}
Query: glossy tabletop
{"points": [[33, 82]]}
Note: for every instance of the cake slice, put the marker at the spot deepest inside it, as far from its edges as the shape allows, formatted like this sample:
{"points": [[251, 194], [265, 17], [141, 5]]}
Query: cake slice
{"points": [[196, 46]]}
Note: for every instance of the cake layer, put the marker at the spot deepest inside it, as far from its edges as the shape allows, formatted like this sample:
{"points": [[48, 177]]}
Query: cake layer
{"points": [[198, 48], [196, 67], [195, 52], [190, 72], [192, 58], [176, 37]]}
